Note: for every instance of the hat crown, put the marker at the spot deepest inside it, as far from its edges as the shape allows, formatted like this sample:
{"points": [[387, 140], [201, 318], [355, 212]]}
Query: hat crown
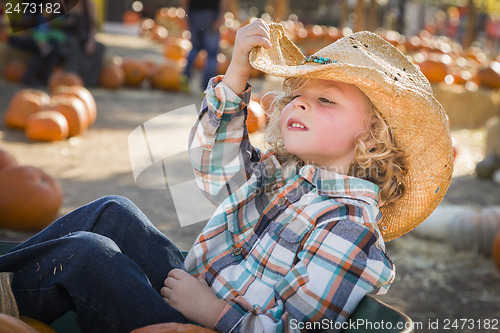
{"points": [[369, 50]]}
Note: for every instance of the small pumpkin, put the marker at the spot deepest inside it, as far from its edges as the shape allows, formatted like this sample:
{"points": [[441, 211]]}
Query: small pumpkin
{"points": [[256, 117], [84, 95], [176, 48], [22, 105], [47, 126], [434, 70], [29, 198], [112, 76], [61, 78], [172, 328], [37, 325], [6, 159], [131, 17], [489, 76], [15, 70], [73, 109], [11, 324], [167, 76], [135, 72], [495, 250]]}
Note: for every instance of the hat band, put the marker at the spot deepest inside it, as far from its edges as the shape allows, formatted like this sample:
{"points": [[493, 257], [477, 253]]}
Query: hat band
{"points": [[316, 59]]}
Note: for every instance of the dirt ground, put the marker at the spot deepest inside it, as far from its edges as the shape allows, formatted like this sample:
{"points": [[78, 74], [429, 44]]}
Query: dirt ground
{"points": [[434, 281]]}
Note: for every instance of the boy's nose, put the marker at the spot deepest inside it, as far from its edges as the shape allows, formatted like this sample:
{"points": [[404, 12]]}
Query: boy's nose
{"points": [[300, 103]]}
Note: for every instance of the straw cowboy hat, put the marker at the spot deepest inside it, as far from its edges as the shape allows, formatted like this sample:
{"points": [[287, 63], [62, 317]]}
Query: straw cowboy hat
{"points": [[403, 96]]}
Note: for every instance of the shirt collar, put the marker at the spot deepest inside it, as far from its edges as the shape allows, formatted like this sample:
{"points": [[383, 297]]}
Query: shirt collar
{"points": [[336, 185]]}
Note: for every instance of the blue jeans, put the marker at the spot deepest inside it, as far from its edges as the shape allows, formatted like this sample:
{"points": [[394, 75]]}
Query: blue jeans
{"points": [[105, 261], [204, 36]]}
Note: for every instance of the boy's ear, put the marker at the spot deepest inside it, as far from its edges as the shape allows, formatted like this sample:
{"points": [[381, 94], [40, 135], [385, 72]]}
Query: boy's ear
{"points": [[267, 100]]}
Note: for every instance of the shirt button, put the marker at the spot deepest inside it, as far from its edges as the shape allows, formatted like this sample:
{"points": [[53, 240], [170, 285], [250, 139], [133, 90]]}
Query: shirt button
{"points": [[281, 201], [236, 251]]}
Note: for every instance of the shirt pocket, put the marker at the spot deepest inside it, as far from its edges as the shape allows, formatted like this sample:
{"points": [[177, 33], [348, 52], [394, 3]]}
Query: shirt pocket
{"points": [[274, 253]]}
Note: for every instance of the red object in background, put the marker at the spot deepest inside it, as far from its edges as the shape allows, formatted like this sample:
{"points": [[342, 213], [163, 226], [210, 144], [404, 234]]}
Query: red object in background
{"points": [[495, 250], [492, 28], [15, 70]]}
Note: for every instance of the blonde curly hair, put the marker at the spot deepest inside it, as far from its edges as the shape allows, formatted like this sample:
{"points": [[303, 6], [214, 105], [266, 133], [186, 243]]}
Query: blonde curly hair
{"points": [[378, 158]]}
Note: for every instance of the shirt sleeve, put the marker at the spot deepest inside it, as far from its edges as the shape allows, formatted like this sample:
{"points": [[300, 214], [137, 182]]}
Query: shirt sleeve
{"points": [[219, 148], [340, 263]]}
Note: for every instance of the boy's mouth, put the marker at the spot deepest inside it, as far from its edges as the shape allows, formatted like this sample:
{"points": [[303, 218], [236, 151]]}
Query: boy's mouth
{"points": [[294, 124]]}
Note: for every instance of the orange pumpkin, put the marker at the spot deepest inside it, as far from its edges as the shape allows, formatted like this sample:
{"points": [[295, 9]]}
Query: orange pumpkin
{"points": [[22, 105], [200, 60], [37, 325], [61, 78], [73, 109], [135, 72], [84, 95], [15, 70], [434, 71], [11, 324], [29, 198], [256, 118], [47, 126], [177, 48], [131, 17], [171, 328], [6, 159], [112, 76], [489, 77], [166, 76], [495, 250]]}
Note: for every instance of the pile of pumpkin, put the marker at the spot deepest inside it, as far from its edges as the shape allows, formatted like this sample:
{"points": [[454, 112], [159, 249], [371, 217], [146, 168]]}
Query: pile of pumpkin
{"points": [[117, 73], [69, 110], [135, 73]]}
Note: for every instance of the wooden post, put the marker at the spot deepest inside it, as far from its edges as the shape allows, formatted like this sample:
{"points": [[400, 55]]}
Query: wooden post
{"points": [[344, 13], [360, 16], [373, 16], [281, 10], [470, 32]]}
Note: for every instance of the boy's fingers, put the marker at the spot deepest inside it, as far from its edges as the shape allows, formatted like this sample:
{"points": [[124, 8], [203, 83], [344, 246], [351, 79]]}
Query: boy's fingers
{"points": [[177, 273], [165, 292], [259, 41], [169, 282]]}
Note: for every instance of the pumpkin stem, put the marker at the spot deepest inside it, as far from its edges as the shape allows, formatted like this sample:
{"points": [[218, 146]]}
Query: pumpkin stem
{"points": [[8, 303]]}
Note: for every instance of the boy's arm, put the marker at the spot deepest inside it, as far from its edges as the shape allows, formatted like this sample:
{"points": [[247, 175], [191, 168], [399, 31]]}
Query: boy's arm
{"points": [[220, 152]]}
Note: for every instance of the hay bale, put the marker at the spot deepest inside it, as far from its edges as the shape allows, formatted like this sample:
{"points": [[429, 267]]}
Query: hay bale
{"points": [[493, 136], [468, 109]]}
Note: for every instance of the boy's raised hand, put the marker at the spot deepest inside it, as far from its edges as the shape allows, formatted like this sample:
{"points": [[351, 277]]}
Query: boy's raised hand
{"points": [[254, 34]]}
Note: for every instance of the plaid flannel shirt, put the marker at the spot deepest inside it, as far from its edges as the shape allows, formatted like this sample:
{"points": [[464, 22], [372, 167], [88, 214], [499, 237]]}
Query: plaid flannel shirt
{"points": [[289, 245]]}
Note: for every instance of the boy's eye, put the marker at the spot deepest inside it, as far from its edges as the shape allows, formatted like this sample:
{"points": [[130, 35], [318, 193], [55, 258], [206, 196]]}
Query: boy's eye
{"points": [[325, 100], [294, 97]]}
